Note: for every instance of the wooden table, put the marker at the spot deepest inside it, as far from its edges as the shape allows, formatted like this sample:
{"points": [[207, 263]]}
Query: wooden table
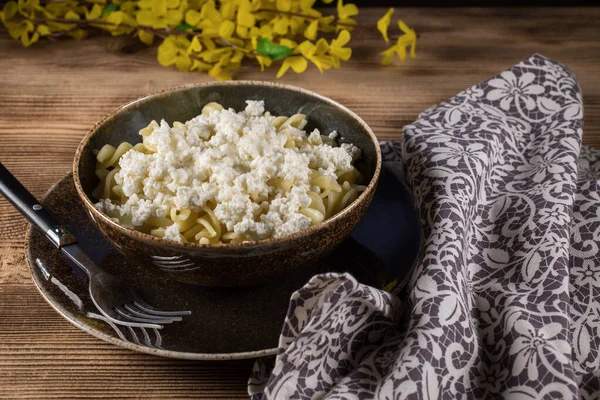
{"points": [[52, 93]]}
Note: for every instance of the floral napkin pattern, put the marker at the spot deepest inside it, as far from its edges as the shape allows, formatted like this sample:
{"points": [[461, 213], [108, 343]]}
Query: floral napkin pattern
{"points": [[504, 301]]}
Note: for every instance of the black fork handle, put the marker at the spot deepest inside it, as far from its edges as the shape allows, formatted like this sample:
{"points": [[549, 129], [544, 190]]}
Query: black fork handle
{"points": [[31, 209]]}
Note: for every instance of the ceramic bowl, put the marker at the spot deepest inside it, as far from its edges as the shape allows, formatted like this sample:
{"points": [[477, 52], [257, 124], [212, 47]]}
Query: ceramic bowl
{"points": [[227, 264]]}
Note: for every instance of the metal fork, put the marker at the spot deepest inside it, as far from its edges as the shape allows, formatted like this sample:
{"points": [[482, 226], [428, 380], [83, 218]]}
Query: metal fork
{"points": [[113, 298], [144, 338], [177, 263]]}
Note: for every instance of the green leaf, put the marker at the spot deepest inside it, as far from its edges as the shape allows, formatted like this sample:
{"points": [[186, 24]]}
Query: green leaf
{"points": [[110, 8], [184, 27], [274, 51]]}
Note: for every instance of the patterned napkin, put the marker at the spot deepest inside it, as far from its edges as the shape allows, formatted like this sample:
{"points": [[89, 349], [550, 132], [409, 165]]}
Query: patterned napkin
{"points": [[505, 297]]}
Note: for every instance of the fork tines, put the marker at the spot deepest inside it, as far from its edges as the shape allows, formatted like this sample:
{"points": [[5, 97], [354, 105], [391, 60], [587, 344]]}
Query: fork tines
{"points": [[177, 263], [137, 312]]}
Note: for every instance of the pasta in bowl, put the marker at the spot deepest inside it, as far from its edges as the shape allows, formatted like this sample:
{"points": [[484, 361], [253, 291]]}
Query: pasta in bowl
{"points": [[227, 197], [227, 177]]}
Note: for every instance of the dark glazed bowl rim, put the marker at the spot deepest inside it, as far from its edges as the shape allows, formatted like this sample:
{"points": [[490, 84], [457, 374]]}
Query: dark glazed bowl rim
{"points": [[250, 244]]}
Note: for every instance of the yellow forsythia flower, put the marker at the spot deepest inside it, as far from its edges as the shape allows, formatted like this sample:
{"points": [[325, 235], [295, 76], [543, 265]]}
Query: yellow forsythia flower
{"points": [[94, 13], [388, 55], [9, 11], [319, 22], [245, 20], [43, 30], [159, 14], [24, 30], [220, 70], [213, 55], [384, 23], [228, 8], [346, 12], [287, 25], [409, 39], [198, 65], [288, 43], [316, 53], [208, 19], [296, 63], [283, 5], [338, 51], [78, 34], [27, 8], [173, 50], [145, 37], [307, 7], [120, 22], [226, 29], [311, 31], [195, 46]]}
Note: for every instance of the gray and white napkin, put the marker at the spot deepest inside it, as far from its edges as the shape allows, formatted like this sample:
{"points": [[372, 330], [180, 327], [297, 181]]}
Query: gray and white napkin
{"points": [[505, 297]]}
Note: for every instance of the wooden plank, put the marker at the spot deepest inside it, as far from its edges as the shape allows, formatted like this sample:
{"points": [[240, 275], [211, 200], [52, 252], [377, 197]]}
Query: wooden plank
{"points": [[52, 93], [42, 355]]}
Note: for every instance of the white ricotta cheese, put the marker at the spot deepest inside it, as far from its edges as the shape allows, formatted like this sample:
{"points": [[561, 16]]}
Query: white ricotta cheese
{"points": [[229, 160], [172, 232], [351, 149]]}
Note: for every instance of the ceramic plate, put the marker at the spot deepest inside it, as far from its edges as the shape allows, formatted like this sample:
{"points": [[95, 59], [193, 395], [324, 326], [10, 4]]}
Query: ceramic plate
{"points": [[232, 323]]}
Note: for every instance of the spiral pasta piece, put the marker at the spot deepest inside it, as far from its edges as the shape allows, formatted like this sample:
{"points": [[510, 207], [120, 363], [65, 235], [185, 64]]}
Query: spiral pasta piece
{"points": [[107, 188], [109, 155], [186, 218], [210, 107]]}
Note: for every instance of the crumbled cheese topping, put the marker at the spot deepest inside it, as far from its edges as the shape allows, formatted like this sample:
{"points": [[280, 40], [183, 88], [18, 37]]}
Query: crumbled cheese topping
{"points": [[229, 161], [351, 149], [172, 232]]}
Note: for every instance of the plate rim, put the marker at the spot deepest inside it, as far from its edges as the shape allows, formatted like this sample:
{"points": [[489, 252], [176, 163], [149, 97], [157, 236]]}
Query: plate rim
{"points": [[69, 316]]}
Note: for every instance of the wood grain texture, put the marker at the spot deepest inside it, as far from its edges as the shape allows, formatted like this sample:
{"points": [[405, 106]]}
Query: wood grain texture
{"points": [[51, 94]]}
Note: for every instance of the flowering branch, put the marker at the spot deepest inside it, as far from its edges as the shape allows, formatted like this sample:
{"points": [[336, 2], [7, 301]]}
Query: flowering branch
{"points": [[213, 36]]}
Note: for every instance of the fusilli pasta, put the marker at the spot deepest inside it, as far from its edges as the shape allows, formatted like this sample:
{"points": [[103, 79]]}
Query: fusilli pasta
{"points": [[329, 192]]}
